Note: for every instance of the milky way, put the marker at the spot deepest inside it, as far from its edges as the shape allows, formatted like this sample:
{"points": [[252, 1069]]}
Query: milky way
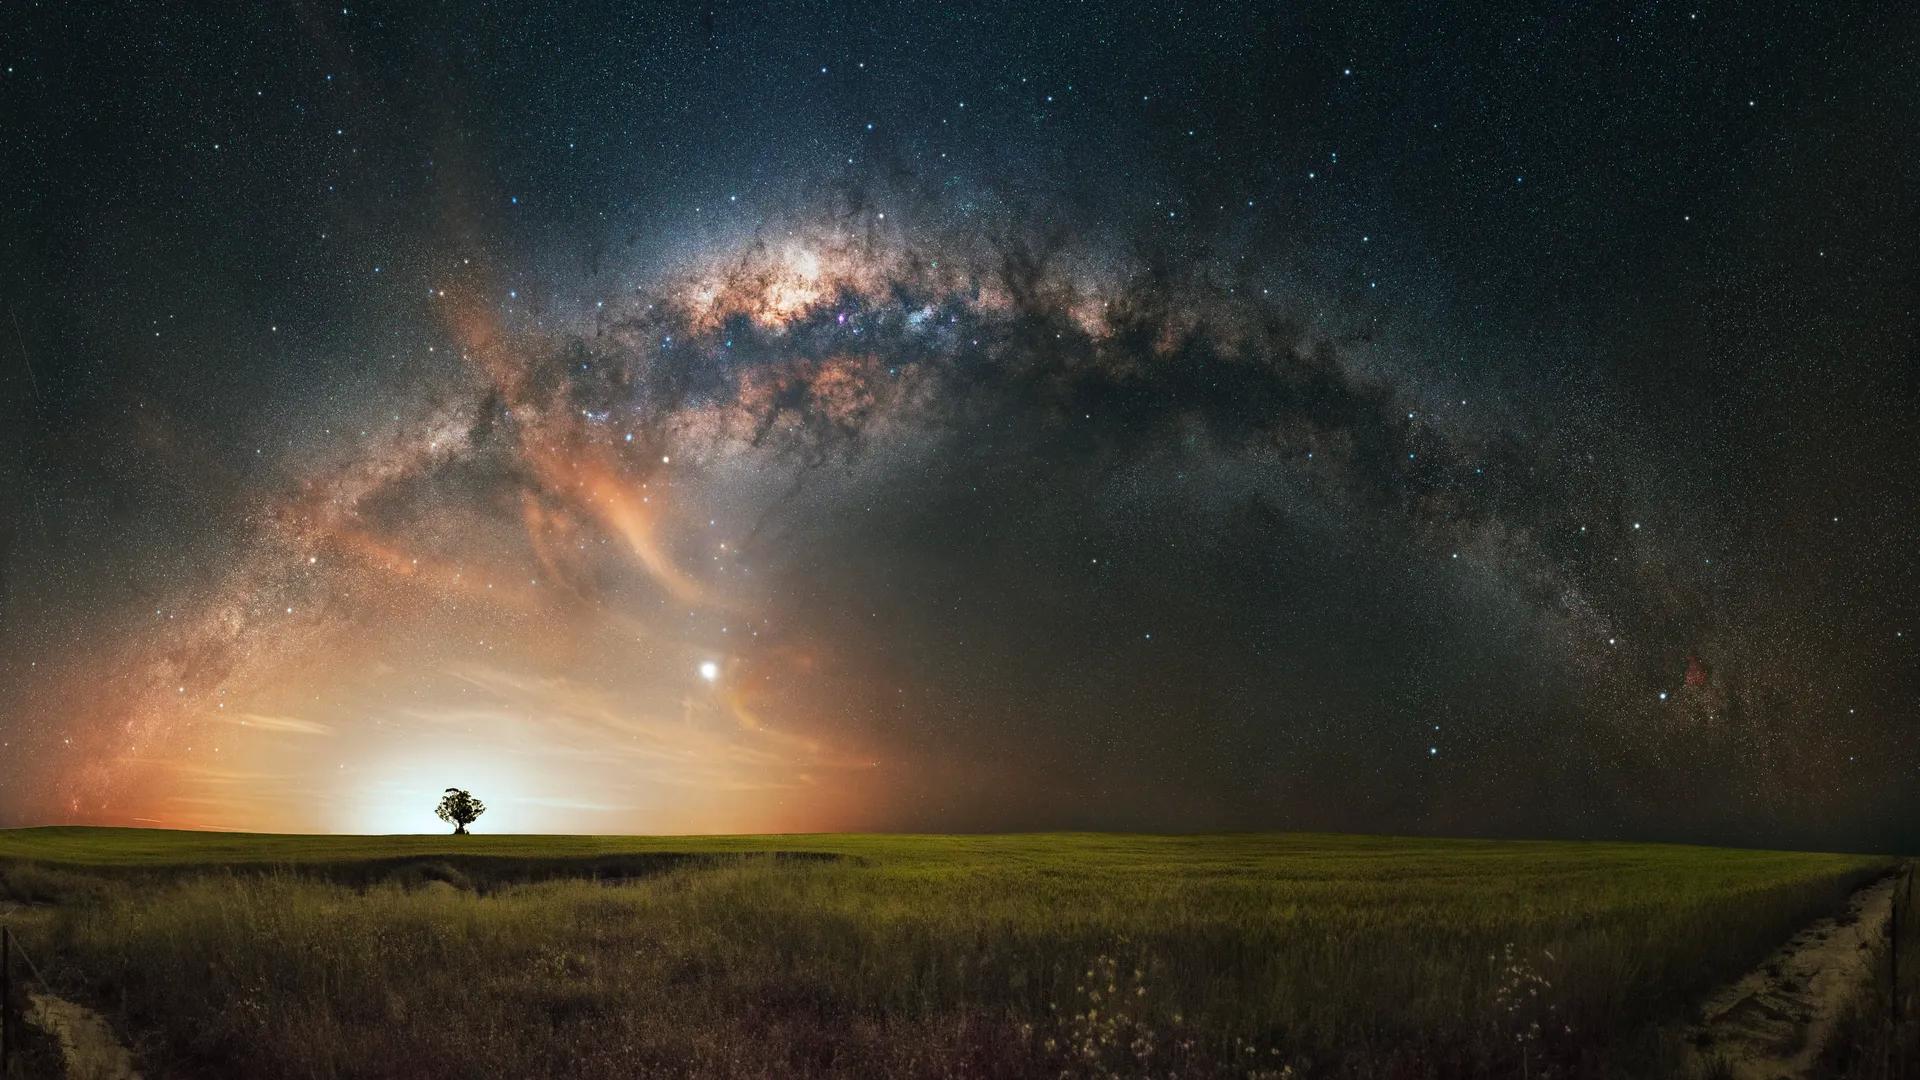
{"points": [[1031, 447]]}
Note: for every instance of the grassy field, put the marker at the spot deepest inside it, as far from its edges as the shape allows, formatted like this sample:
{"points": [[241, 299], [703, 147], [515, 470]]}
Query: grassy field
{"points": [[1088, 955]]}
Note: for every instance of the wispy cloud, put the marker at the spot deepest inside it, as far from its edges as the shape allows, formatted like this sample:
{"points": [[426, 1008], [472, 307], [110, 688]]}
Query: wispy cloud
{"points": [[573, 720], [557, 802], [292, 725]]}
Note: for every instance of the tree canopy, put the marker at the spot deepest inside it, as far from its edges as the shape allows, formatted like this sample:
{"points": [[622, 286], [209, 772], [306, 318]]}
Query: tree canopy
{"points": [[459, 808]]}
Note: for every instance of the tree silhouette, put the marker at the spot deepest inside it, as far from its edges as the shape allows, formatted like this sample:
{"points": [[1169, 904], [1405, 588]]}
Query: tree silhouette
{"points": [[460, 808]]}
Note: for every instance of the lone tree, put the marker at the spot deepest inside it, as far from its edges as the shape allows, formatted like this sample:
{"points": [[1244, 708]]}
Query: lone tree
{"points": [[460, 808]]}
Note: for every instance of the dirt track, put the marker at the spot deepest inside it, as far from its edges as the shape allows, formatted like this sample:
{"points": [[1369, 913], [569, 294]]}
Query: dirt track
{"points": [[87, 1044], [1773, 1021]]}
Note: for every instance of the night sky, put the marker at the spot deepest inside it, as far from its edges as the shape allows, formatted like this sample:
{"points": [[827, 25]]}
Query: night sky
{"points": [[956, 417]]}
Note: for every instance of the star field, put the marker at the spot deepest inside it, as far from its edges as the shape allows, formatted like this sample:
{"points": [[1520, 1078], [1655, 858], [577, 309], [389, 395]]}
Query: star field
{"points": [[910, 417]]}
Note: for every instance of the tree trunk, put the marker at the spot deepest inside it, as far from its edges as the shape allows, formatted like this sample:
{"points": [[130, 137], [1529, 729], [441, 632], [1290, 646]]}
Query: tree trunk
{"points": [[459, 829]]}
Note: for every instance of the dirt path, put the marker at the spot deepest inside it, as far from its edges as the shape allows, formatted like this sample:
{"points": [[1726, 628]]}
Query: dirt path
{"points": [[87, 1044], [1772, 1023]]}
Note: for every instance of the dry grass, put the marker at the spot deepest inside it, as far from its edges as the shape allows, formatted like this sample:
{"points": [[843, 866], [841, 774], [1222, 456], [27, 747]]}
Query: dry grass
{"points": [[978, 956]]}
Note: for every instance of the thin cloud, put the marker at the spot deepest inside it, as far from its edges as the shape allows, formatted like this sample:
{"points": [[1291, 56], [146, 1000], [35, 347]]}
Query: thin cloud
{"points": [[291, 725]]}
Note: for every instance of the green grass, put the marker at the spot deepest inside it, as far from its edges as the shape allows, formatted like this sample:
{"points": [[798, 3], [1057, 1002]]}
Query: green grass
{"points": [[306, 956]]}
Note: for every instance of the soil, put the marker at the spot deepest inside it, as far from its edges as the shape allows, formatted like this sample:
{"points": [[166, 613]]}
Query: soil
{"points": [[88, 1046], [1772, 1022]]}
